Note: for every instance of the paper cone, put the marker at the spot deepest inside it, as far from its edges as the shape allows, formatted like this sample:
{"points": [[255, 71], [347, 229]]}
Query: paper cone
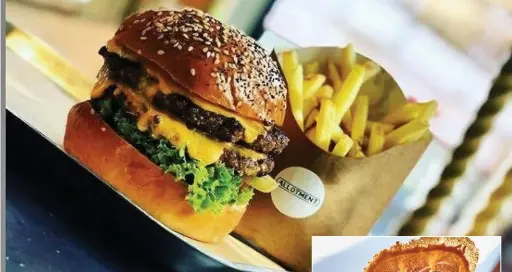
{"points": [[356, 190]]}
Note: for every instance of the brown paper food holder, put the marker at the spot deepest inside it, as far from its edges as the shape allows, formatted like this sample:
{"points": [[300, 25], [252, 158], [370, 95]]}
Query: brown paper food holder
{"points": [[356, 190]]}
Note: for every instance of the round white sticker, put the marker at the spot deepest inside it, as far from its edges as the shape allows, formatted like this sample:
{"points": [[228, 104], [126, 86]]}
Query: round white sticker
{"points": [[300, 193]]}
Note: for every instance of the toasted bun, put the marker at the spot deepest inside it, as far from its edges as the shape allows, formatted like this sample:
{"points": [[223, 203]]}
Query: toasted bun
{"points": [[212, 60], [97, 146], [444, 254]]}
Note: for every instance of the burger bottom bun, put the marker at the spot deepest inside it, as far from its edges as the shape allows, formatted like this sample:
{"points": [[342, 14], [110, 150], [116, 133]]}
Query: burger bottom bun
{"points": [[89, 139]]}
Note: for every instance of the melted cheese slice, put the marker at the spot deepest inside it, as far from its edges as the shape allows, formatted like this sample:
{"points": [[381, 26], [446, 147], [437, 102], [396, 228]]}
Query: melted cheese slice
{"points": [[199, 146]]}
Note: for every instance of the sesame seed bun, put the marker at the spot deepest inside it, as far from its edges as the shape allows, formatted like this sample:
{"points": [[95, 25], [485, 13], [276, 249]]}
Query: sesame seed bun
{"points": [[212, 60]]}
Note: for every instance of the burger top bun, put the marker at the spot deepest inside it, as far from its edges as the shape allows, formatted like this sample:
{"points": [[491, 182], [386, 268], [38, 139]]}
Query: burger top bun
{"points": [[214, 61]]}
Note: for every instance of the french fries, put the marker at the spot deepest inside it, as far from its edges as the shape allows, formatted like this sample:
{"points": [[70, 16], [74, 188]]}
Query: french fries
{"points": [[310, 119], [312, 102], [296, 93], [312, 84], [336, 132], [359, 119], [345, 96], [428, 110], [329, 108], [312, 68], [376, 140], [348, 60], [343, 146], [334, 76], [372, 69], [403, 114], [325, 91], [346, 121], [356, 151], [323, 124], [407, 133], [290, 63], [386, 128]]}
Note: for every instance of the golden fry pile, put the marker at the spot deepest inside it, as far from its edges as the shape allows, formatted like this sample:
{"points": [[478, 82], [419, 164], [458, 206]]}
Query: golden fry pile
{"points": [[325, 102]]}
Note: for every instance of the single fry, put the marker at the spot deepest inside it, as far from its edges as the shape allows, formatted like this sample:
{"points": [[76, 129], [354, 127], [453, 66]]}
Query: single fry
{"points": [[265, 184], [428, 110], [346, 121], [343, 146], [323, 124], [356, 151], [403, 114], [376, 140], [336, 132], [407, 133], [372, 69], [359, 119], [290, 63], [386, 128], [309, 105], [325, 91], [348, 60], [310, 119], [296, 91], [334, 76], [312, 68], [312, 84], [310, 133], [344, 97]]}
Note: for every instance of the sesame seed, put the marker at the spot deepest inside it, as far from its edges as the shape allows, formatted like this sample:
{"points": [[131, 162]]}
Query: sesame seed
{"points": [[193, 72], [190, 48], [166, 42], [92, 111], [208, 43], [179, 47], [205, 49], [217, 61], [212, 74], [185, 35], [159, 13], [208, 54], [103, 129], [226, 52], [143, 38], [160, 52], [160, 37]]}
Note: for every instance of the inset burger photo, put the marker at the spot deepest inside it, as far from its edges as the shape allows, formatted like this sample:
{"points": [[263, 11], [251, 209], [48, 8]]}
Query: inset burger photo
{"points": [[406, 254]]}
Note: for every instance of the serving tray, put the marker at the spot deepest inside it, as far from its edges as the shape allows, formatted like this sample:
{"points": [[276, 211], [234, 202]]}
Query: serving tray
{"points": [[41, 87]]}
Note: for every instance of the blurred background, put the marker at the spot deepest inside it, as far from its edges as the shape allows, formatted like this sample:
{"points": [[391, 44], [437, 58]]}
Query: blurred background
{"points": [[445, 50]]}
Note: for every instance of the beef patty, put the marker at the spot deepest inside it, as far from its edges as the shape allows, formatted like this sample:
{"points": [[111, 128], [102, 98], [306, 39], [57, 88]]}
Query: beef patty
{"points": [[228, 129], [109, 103]]}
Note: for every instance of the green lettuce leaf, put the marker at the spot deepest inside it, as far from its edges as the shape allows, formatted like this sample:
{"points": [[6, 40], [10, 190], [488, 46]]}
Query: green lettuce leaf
{"points": [[211, 187]]}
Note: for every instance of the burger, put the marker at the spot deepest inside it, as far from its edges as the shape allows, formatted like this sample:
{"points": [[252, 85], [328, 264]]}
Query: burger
{"points": [[432, 254], [183, 120]]}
